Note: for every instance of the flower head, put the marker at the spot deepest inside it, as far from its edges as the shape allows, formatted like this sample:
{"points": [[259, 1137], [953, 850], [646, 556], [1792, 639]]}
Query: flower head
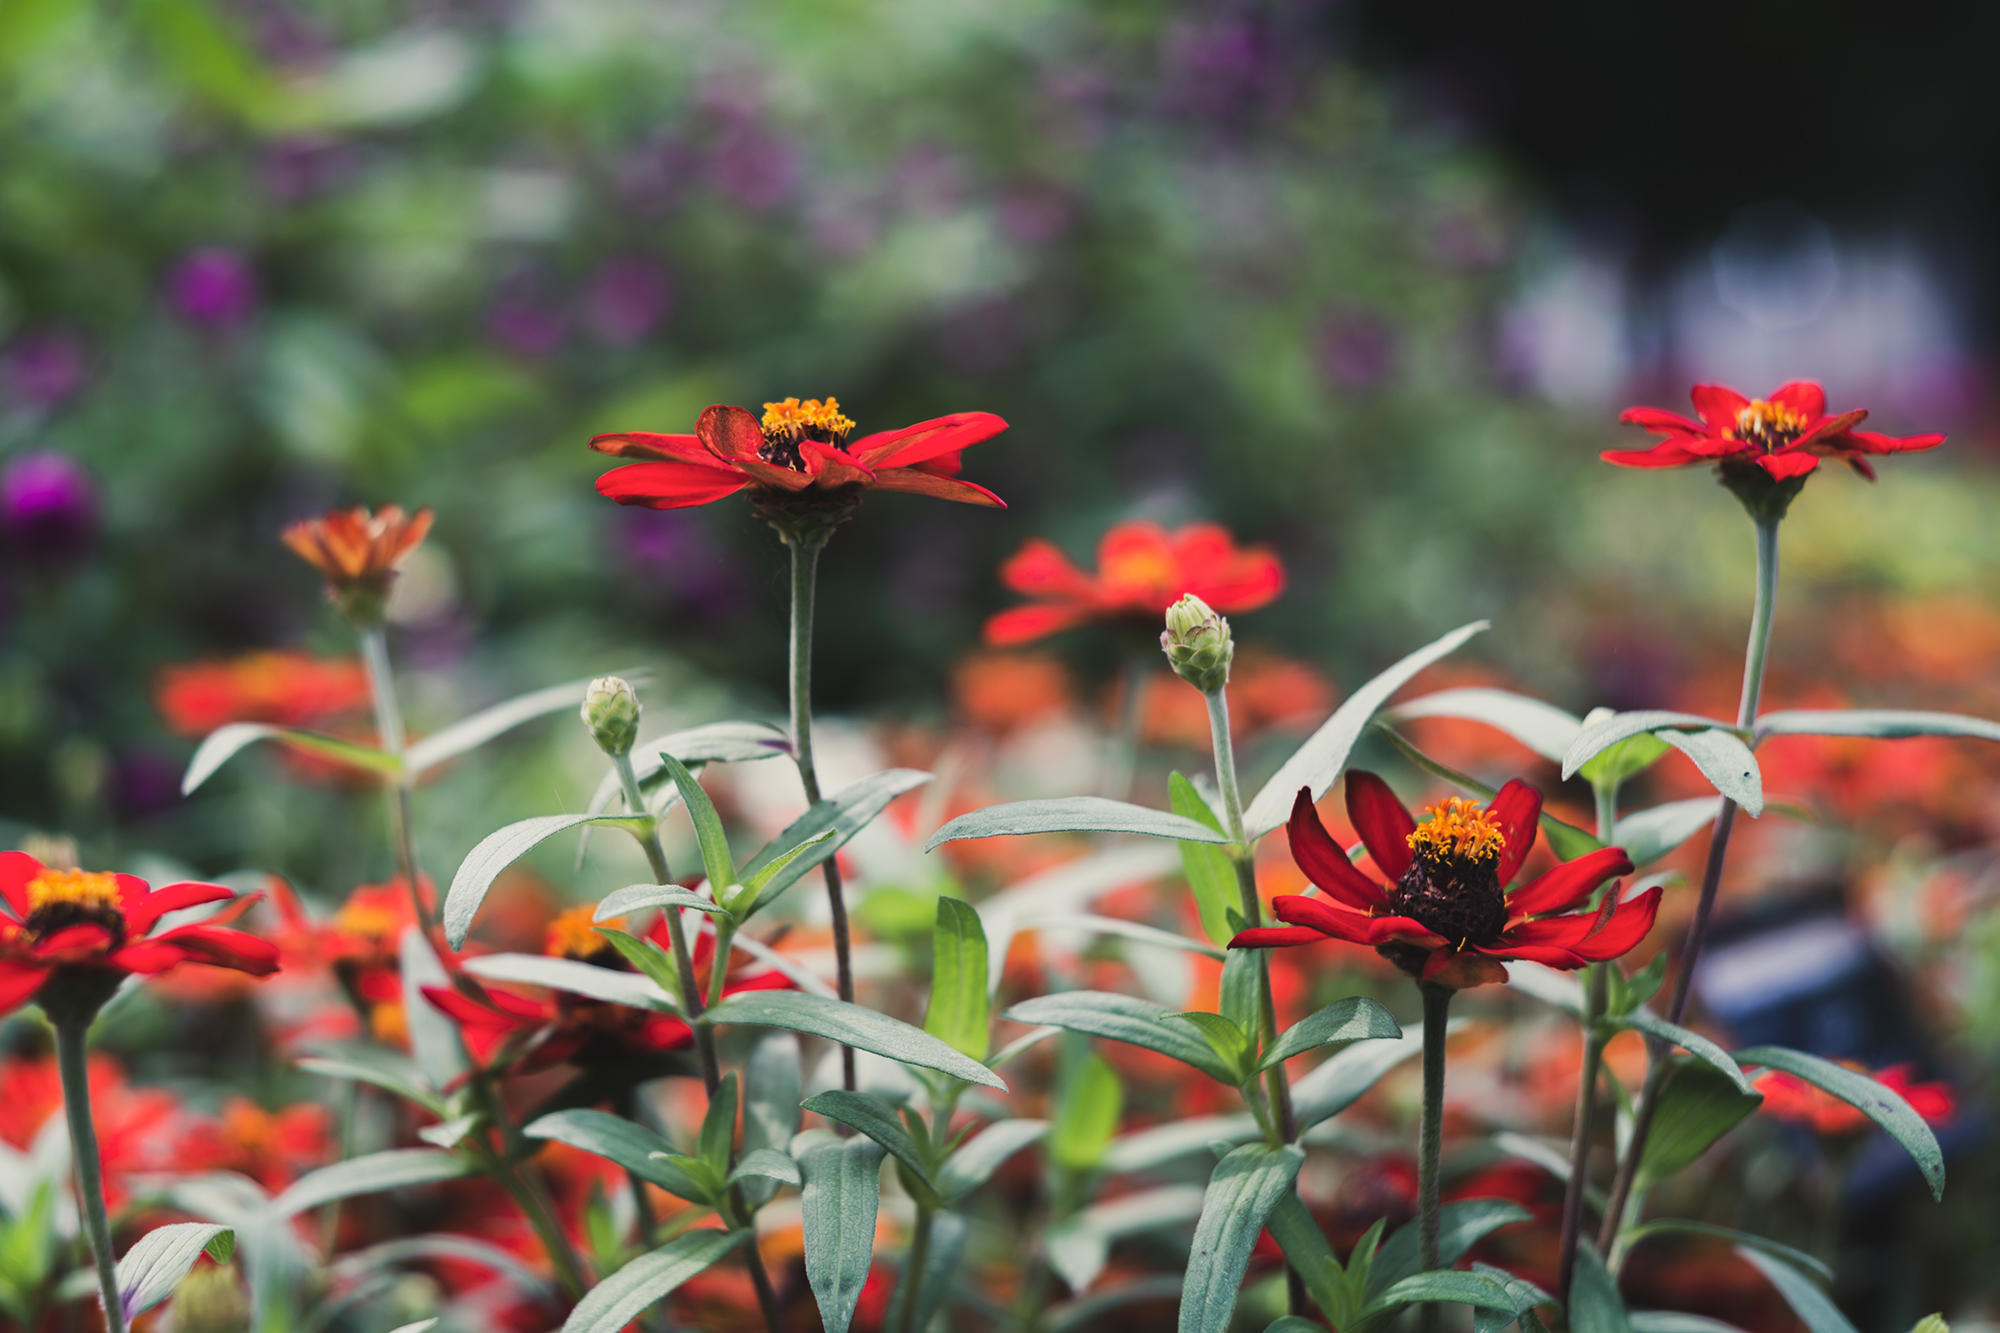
{"points": [[285, 688], [1763, 448], [794, 460], [1142, 569], [48, 507], [1447, 916], [74, 935], [359, 553]]}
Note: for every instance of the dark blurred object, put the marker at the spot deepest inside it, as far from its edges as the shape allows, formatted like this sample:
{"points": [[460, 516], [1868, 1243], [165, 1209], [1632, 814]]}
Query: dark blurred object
{"points": [[48, 507]]}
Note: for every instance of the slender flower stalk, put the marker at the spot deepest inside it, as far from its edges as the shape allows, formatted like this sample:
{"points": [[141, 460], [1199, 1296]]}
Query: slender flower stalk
{"points": [[1754, 659], [73, 1063], [913, 1270], [1131, 719], [1430, 1134], [394, 741], [1597, 987]]}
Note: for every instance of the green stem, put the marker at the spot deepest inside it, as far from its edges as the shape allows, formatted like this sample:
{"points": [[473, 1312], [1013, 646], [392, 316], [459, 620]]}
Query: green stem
{"points": [[1430, 1140], [73, 1064], [913, 1272], [656, 859], [1754, 658], [805, 573], [1132, 716], [1584, 1134], [393, 739], [739, 1214]]}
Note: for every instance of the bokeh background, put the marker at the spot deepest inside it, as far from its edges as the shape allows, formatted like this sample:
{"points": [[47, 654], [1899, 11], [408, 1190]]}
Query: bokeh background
{"points": [[1367, 283]]}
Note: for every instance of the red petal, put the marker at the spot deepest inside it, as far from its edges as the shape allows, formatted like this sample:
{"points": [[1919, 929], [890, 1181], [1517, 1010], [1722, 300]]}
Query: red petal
{"points": [[670, 485], [74, 944], [926, 440], [1323, 860], [1785, 466], [1405, 930], [18, 983], [143, 915], [1297, 909], [839, 468], [916, 481], [772, 980], [148, 957], [467, 1010], [1718, 406], [1025, 624], [1383, 822], [1861, 465], [1803, 397], [1517, 807], [648, 445], [16, 869], [1040, 569], [1547, 955], [1228, 577], [1826, 430], [783, 478], [1661, 422], [1568, 884], [224, 948], [1463, 971], [1870, 442], [1669, 454], [1276, 937], [664, 1032], [730, 433], [1628, 925]]}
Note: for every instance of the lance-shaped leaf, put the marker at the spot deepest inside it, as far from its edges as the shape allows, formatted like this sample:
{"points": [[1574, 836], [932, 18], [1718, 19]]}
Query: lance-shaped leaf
{"points": [[1675, 1226], [638, 897], [1725, 761], [1318, 762], [1341, 1079], [1460, 1226], [846, 813], [1698, 1105], [495, 852], [570, 974], [714, 743], [1073, 814], [957, 1012], [155, 1265], [1594, 1303], [1128, 1019], [380, 1068], [851, 1025], [434, 1037], [1881, 1104], [1149, 1149], [765, 1164], [1601, 736], [1648, 835], [1352, 1019], [1881, 723], [1211, 875], [1461, 1288], [1231, 1043], [1568, 841], [221, 745], [1089, 1099], [1808, 1302], [464, 1249], [471, 732], [1692, 1042], [1542, 727], [838, 1205], [773, 1087], [1679, 1321], [976, 1161], [625, 1295], [718, 1127], [753, 893], [1246, 1186], [874, 1117], [708, 832], [1091, 924], [634, 1147], [398, 1168], [1306, 1250]]}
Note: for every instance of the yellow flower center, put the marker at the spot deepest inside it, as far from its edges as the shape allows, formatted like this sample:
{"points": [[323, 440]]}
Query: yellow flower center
{"points": [[368, 921], [575, 935], [791, 421], [1458, 830], [83, 889], [1770, 425]]}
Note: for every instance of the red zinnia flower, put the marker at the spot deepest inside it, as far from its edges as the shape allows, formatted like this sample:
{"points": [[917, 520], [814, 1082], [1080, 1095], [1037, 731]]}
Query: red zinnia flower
{"points": [[1446, 917], [1798, 1101], [1142, 569], [75, 934], [1786, 434], [285, 688], [797, 447]]}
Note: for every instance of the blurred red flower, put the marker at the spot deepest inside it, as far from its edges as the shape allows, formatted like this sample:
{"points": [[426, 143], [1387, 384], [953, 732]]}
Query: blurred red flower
{"points": [[359, 552], [283, 688], [796, 447], [1795, 1100], [138, 1129], [1142, 569], [1448, 876], [1001, 691], [361, 944], [273, 1148], [1786, 434]]}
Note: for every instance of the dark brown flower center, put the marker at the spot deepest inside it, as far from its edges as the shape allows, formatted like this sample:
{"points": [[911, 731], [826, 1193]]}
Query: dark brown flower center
{"points": [[59, 899], [1458, 899]]}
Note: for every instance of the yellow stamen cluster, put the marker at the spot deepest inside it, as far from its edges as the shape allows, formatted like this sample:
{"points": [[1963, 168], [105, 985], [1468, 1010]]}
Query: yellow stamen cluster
{"points": [[369, 920], [794, 420], [1458, 830], [574, 934], [1769, 424], [93, 892]]}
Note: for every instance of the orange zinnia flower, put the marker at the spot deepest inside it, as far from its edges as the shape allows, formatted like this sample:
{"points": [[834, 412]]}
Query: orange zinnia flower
{"points": [[284, 688], [359, 553], [1142, 569]]}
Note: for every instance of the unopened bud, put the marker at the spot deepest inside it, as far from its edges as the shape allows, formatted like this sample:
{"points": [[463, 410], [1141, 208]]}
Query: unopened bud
{"points": [[1197, 643], [611, 711]]}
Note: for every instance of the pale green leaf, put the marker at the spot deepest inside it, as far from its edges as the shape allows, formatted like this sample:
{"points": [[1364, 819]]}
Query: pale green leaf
{"points": [[1073, 814]]}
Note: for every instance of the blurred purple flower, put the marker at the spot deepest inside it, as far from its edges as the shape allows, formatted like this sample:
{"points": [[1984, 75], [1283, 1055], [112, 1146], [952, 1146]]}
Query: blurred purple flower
{"points": [[1220, 67], [674, 555], [213, 287], [752, 165], [523, 323], [144, 781], [1035, 214], [38, 370], [48, 506], [1357, 348], [627, 297]]}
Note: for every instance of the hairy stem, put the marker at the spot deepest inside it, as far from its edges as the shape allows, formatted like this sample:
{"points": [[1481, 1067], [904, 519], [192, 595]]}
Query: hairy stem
{"points": [[656, 858], [73, 1063], [913, 1271], [1430, 1133], [394, 742], [1584, 1133], [805, 574]]}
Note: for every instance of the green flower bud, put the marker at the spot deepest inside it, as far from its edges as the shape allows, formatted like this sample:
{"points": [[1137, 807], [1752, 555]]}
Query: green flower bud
{"points": [[1197, 643], [211, 1300], [611, 711]]}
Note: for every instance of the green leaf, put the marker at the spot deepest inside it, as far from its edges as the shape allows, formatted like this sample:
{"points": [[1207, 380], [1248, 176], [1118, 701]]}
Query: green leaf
{"points": [[1073, 814], [1240, 993], [1461, 1288], [1566, 840], [570, 974], [1601, 736], [1460, 1226], [846, 812], [773, 1087], [1127, 1019], [1027, 1041], [957, 1013], [765, 1164], [379, 1068], [1679, 1321], [1616, 765], [1674, 1226], [1542, 727], [1211, 875], [1123, 929], [1246, 1186], [1318, 762], [838, 1203], [1088, 1104], [626, 1294], [1881, 1104], [708, 831], [221, 745], [851, 1025], [1594, 1303], [1350, 1019], [1149, 1149], [638, 897], [634, 1147], [1808, 1302], [718, 1127], [495, 852], [448, 1133], [1341, 1079], [1231, 1044], [1648, 835], [1306, 1250], [396, 1169], [434, 1036], [1552, 987], [395, 1253], [1291, 1323], [1078, 1247], [471, 732], [1881, 723], [1691, 1042], [871, 1115], [971, 1166], [1628, 993], [1698, 1105], [940, 1263], [1726, 762], [754, 885], [158, 1261]]}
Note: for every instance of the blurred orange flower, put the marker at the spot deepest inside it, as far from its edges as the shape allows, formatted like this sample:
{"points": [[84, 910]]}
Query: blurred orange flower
{"points": [[273, 1148], [359, 553], [284, 688], [1001, 691]]}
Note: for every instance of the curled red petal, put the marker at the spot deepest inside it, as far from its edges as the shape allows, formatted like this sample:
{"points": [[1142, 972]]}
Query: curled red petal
{"points": [[1718, 405], [1547, 955], [1568, 884], [1384, 823], [730, 433], [1461, 971], [650, 445], [147, 957], [1869, 441], [1862, 466], [1298, 909], [74, 944], [670, 485], [16, 869], [1791, 463], [1404, 930], [1323, 860], [926, 440], [1025, 624], [467, 1010], [224, 948], [143, 915], [18, 983], [1668, 454], [1629, 924], [1516, 808], [664, 1032], [1661, 422], [916, 481], [1803, 397], [1040, 569], [1277, 937]]}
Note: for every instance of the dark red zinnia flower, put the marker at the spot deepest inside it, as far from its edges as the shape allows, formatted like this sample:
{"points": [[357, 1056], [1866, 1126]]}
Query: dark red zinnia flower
{"points": [[1786, 434], [75, 934], [1447, 916], [798, 447]]}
